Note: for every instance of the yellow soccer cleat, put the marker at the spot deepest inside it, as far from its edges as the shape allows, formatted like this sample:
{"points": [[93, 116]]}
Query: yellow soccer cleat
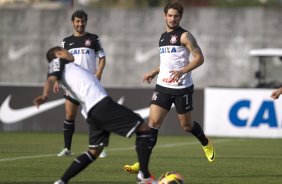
{"points": [[132, 169], [210, 152]]}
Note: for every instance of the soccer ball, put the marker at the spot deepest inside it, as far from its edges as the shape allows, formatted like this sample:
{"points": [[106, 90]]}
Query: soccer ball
{"points": [[171, 178]]}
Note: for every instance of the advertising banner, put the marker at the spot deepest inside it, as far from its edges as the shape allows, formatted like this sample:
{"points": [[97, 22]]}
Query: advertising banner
{"points": [[242, 112], [17, 113]]}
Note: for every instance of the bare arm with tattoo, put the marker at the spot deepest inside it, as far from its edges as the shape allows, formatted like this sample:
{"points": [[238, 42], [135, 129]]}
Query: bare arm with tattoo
{"points": [[188, 40]]}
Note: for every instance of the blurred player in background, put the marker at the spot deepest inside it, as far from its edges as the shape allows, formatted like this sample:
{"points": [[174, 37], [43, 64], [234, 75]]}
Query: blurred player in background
{"points": [[102, 113], [276, 93], [85, 47], [174, 82]]}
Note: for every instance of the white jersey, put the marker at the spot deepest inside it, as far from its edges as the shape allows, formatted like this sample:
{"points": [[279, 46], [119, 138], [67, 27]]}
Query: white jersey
{"points": [[80, 83], [173, 56]]}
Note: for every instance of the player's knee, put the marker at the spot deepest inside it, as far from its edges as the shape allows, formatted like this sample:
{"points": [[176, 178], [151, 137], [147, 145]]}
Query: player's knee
{"points": [[71, 112], [96, 151], [154, 124], [70, 115], [143, 127], [186, 126]]}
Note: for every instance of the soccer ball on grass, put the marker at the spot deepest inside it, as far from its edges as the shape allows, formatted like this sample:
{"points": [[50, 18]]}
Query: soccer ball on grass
{"points": [[171, 178]]}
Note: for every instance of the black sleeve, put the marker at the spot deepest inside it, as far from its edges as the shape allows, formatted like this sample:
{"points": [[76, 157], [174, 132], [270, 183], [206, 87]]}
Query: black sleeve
{"points": [[97, 44], [56, 68]]}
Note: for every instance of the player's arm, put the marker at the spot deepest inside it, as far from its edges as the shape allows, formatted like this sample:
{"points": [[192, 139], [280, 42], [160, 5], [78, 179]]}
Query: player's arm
{"points": [[276, 93], [148, 77], [46, 91], [56, 87], [100, 68], [188, 40], [55, 70], [100, 53]]}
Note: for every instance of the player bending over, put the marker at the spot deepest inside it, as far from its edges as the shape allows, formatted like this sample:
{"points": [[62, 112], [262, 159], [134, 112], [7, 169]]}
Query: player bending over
{"points": [[102, 113]]}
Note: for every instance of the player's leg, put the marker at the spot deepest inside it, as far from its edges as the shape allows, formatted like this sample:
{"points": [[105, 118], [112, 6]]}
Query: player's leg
{"points": [[157, 114], [71, 107], [145, 142], [97, 140], [79, 164], [183, 102], [113, 117], [156, 117], [195, 129]]}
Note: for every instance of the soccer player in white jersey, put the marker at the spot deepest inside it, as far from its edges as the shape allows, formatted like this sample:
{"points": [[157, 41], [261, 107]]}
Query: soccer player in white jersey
{"points": [[174, 82], [102, 113], [85, 47]]}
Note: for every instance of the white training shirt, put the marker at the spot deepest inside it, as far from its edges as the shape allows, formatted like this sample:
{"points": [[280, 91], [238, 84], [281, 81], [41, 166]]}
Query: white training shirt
{"points": [[173, 56], [79, 82]]}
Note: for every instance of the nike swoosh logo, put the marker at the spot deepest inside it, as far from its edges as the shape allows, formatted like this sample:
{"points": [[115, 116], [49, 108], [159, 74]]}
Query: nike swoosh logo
{"points": [[144, 113], [121, 100], [14, 54], [142, 57], [212, 158], [10, 116]]}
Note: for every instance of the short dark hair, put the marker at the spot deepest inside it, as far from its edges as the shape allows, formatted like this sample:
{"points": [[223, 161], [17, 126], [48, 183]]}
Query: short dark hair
{"points": [[79, 14], [50, 55], [174, 5]]}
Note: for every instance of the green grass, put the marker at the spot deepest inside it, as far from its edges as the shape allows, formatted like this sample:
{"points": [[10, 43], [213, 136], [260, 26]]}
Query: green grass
{"points": [[31, 158]]}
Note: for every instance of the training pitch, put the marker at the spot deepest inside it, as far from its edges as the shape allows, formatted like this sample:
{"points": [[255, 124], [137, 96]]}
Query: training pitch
{"points": [[30, 158]]}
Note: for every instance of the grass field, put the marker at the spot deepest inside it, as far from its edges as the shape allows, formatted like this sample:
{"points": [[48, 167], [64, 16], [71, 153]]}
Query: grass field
{"points": [[31, 158]]}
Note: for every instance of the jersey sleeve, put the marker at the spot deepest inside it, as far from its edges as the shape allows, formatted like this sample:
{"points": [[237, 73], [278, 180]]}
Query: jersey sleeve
{"points": [[63, 43], [99, 48], [56, 68]]}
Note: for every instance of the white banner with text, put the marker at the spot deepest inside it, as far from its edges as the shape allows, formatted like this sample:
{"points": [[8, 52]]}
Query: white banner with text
{"points": [[233, 112]]}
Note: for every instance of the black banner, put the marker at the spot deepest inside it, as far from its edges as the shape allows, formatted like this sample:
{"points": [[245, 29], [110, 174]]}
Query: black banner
{"points": [[17, 113]]}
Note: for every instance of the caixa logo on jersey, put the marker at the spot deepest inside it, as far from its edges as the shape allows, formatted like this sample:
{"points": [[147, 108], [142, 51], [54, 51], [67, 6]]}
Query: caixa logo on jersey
{"points": [[79, 51], [247, 113]]}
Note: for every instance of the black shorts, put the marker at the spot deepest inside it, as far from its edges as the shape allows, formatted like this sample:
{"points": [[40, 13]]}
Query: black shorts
{"points": [[108, 116], [72, 100], [181, 98]]}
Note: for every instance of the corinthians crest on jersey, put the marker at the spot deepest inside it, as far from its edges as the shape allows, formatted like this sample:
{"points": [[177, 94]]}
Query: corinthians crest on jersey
{"points": [[87, 43], [173, 39]]}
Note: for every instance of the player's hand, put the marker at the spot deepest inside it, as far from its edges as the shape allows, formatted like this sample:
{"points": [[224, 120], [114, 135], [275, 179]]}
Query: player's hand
{"points": [[56, 87], [176, 75], [39, 100], [98, 76], [275, 94], [148, 78]]}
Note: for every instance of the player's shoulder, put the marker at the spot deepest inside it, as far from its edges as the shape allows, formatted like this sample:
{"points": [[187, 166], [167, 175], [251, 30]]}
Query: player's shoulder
{"points": [[68, 38], [92, 35], [163, 33], [180, 31]]}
